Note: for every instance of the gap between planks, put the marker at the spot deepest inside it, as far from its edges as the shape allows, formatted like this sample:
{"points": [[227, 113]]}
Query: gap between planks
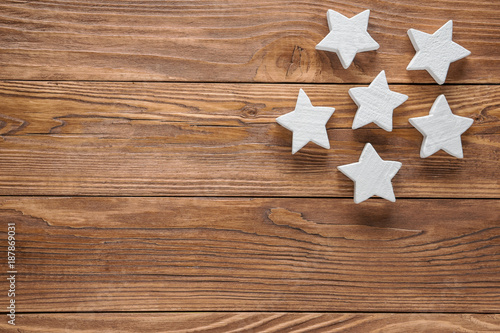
{"points": [[360, 83]]}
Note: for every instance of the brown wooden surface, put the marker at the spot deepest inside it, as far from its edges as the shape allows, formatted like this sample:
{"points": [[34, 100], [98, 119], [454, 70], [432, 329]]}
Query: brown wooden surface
{"points": [[201, 254], [137, 201], [232, 41], [73, 138], [258, 322]]}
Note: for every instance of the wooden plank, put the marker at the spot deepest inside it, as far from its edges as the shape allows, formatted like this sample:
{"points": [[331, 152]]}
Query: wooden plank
{"points": [[70, 138], [221, 254], [232, 41], [214, 322]]}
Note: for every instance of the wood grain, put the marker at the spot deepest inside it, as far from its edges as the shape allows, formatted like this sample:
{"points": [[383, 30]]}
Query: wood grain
{"points": [[183, 195], [221, 254], [87, 138], [213, 322], [235, 41]]}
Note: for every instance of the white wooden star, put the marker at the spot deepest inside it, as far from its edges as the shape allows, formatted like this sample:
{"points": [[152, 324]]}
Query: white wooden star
{"points": [[376, 103], [371, 175], [347, 36], [435, 52], [307, 122], [441, 129]]}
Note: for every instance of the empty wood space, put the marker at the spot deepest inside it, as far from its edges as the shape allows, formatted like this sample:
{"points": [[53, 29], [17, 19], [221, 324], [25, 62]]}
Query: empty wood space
{"points": [[258, 322], [153, 191]]}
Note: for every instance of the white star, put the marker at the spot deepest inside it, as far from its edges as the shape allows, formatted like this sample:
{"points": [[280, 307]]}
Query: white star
{"points": [[307, 122], [347, 36], [435, 52], [441, 129], [376, 103], [371, 175]]}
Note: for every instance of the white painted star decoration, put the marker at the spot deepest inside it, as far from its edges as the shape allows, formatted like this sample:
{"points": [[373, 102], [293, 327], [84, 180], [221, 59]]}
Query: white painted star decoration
{"points": [[435, 52], [347, 36], [441, 129], [376, 103], [307, 122], [371, 175]]}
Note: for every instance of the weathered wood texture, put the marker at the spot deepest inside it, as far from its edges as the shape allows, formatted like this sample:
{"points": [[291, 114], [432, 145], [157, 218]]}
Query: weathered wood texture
{"points": [[88, 138], [257, 322], [213, 254], [191, 185], [232, 41]]}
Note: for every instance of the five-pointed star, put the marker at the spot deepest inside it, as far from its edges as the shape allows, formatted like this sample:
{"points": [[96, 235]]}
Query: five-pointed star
{"points": [[371, 175], [376, 103], [435, 52], [441, 129], [307, 122], [347, 36]]}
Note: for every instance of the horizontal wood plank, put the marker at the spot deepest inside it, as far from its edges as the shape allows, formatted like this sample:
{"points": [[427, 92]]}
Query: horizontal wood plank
{"points": [[232, 41], [254, 254], [213, 322], [88, 138]]}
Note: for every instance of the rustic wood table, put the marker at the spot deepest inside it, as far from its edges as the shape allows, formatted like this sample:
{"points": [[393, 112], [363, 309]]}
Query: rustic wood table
{"points": [[152, 190]]}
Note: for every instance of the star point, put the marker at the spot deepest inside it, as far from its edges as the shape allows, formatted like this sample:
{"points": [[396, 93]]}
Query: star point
{"points": [[371, 175], [307, 122], [376, 103], [441, 129], [435, 52], [347, 36]]}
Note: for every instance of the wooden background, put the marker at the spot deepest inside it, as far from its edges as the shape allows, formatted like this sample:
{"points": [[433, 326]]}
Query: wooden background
{"points": [[152, 189]]}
